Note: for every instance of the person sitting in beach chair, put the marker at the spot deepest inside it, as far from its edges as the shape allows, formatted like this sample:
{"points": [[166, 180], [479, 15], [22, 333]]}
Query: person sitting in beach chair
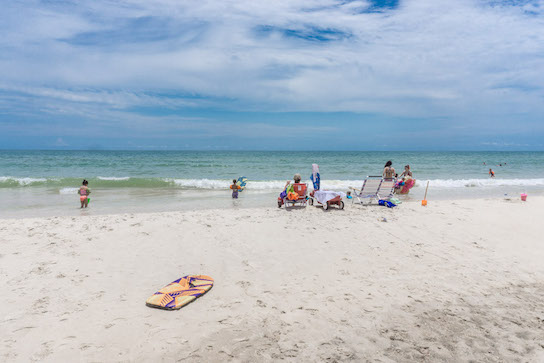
{"points": [[294, 193]]}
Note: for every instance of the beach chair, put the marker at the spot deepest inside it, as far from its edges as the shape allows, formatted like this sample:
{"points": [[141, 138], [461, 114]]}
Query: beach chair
{"points": [[302, 190], [369, 190], [387, 188]]}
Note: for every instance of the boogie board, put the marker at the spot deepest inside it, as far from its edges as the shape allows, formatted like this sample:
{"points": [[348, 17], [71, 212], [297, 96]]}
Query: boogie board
{"points": [[180, 292], [242, 181]]}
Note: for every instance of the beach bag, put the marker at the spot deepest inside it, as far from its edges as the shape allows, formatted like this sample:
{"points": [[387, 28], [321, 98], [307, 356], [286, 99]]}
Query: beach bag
{"points": [[283, 194]]}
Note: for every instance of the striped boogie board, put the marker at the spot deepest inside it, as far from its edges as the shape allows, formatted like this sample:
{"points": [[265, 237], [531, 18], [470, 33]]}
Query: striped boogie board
{"points": [[180, 292]]}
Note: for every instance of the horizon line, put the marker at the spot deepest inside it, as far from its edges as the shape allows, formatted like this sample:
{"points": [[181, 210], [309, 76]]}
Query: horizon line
{"points": [[278, 150]]}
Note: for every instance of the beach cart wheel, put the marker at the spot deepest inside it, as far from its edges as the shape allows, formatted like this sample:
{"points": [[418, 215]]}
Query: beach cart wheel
{"points": [[325, 205], [341, 205], [311, 201]]}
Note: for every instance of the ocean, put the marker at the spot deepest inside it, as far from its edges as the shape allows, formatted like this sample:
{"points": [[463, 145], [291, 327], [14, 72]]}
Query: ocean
{"points": [[38, 183]]}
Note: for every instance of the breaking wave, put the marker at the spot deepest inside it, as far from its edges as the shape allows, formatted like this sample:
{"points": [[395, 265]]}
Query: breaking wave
{"points": [[70, 185], [482, 183]]}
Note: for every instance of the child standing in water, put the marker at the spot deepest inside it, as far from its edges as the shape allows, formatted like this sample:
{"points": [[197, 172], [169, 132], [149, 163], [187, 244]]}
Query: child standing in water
{"points": [[491, 173], [235, 188], [84, 192]]}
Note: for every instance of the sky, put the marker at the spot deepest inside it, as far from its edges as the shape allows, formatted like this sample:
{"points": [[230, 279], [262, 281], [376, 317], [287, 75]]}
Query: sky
{"points": [[272, 75]]}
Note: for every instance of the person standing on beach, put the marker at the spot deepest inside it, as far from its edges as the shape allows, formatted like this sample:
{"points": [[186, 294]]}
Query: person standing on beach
{"points": [[491, 173], [235, 188], [388, 170], [84, 192]]}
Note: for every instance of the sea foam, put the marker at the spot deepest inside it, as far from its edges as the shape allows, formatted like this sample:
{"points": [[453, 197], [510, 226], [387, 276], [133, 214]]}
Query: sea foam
{"points": [[480, 183], [68, 191], [113, 178], [10, 180], [65, 185]]}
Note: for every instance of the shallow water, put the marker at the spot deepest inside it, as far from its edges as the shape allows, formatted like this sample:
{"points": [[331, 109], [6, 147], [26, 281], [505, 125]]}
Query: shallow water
{"points": [[37, 183]]}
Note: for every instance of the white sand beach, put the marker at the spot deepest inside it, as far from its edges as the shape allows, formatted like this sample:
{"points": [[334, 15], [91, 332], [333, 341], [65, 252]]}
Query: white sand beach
{"points": [[455, 281]]}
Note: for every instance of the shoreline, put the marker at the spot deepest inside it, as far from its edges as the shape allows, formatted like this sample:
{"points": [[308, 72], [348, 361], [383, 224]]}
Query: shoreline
{"points": [[443, 282], [136, 201]]}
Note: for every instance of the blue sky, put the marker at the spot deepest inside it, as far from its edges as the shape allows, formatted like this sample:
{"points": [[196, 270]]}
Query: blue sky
{"points": [[284, 74]]}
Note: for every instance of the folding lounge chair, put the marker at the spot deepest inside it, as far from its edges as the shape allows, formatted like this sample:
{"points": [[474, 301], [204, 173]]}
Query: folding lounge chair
{"points": [[369, 191], [387, 188], [301, 189]]}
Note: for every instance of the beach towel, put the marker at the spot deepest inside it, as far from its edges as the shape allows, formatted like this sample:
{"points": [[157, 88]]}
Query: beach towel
{"points": [[323, 196], [292, 196], [315, 176], [386, 203]]}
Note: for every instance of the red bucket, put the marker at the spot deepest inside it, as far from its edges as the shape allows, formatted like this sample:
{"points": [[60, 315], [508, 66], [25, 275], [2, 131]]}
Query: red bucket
{"points": [[524, 197]]}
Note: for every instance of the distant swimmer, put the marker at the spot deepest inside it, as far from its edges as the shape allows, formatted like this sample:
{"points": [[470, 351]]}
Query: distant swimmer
{"points": [[388, 170], [491, 173]]}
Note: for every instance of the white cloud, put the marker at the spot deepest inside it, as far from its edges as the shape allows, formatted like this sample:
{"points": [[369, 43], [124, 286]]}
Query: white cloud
{"points": [[60, 142], [426, 58]]}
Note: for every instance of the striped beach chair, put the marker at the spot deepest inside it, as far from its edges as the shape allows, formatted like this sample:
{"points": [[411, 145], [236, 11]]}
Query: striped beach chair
{"points": [[387, 188], [369, 190]]}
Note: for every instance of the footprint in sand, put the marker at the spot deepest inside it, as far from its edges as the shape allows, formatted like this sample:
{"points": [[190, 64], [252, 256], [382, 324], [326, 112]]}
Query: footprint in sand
{"points": [[244, 284], [41, 269], [41, 304]]}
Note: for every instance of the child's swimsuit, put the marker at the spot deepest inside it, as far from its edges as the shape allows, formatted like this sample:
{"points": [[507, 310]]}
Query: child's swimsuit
{"points": [[235, 189], [82, 194]]}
